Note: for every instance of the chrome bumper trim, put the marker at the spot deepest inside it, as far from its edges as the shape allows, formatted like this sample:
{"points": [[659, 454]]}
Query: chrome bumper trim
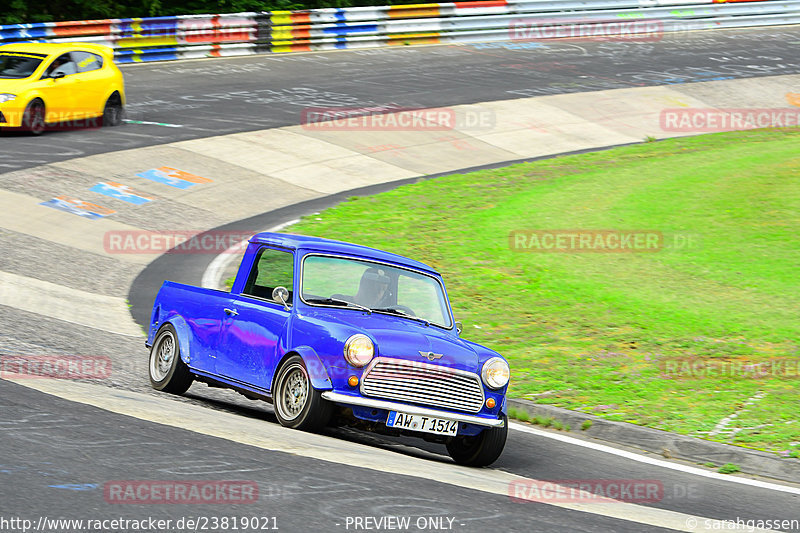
{"points": [[410, 409]]}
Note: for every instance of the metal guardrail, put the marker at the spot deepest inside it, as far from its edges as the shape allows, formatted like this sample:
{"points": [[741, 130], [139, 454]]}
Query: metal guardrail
{"points": [[197, 36]]}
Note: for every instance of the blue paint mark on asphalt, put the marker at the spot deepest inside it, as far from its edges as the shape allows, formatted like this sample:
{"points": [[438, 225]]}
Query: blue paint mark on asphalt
{"points": [[163, 177], [76, 486], [508, 46], [78, 207], [121, 192]]}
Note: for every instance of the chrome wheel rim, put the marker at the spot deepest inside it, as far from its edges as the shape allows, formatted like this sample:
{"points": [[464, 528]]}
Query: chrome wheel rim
{"points": [[162, 356], [293, 393]]}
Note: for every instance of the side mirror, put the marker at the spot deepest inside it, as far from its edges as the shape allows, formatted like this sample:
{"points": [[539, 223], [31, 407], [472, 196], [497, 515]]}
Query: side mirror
{"points": [[459, 327], [281, 294], [57, 76]]}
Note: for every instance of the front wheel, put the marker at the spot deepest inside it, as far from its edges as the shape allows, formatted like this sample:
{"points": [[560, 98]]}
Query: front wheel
{"points": [[482, 449], [168, 372], [33, 118], [298, 404]]}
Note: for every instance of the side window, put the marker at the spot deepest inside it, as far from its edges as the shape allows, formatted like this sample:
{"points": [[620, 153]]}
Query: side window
{"points": [[87, 62], [272, 268], [63, 64]]}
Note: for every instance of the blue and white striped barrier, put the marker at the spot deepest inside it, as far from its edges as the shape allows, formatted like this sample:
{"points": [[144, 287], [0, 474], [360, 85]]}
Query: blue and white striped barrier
{"points": [[195, 36]]}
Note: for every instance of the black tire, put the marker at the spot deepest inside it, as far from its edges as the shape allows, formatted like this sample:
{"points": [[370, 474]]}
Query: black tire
{"points": [[113, 113], [168, 373], [33, 118], [480, 450], [298, 405]]}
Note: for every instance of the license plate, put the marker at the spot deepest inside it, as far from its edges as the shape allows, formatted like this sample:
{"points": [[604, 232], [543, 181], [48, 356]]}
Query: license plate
{"points": [[426, 424]]}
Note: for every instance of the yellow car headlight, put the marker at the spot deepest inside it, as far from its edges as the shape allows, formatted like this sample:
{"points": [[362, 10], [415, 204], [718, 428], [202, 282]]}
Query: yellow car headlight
{"points": [[7, 97], [359, 350], [495, 373]]}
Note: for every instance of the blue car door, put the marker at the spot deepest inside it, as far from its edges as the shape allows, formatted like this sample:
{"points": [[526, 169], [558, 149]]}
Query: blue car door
{"points": [[254, 333], [206, 321]]}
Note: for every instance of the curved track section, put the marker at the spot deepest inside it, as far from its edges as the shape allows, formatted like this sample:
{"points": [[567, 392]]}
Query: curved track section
{"points": [[204, 98], [65, 290]]}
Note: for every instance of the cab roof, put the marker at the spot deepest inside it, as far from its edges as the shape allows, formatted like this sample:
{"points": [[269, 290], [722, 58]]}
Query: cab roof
{"points": [[318, 244]]}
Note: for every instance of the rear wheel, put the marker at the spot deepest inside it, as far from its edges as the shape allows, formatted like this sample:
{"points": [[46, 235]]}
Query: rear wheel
{"points": [[168, 372], [480, 450], [33, 118], [298, 404], [113, 112]]}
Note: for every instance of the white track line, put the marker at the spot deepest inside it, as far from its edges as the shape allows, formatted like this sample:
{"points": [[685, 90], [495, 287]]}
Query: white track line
{"points": [[653, 461], [212, 277]]}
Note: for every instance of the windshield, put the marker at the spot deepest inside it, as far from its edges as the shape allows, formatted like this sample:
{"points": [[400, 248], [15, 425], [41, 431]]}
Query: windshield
{"points": [[379, 287], [19, 65]]}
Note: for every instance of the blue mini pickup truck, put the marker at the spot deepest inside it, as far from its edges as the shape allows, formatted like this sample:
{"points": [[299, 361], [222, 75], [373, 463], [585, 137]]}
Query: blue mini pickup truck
{"points": [[332, 332]]}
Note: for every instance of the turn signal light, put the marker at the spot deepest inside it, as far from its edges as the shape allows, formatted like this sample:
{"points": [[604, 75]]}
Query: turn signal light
{"points": [[352, 381], [490, 403]]}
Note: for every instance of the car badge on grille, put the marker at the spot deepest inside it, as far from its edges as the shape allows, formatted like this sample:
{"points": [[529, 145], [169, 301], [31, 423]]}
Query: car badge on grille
{"points": [[431, 356]]}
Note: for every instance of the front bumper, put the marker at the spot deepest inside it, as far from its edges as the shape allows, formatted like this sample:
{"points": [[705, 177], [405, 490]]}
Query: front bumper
{"points": [[11, 114], [410, 409]]}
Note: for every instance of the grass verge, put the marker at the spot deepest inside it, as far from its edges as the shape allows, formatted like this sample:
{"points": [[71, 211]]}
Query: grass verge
{"points": [[678, 339]]}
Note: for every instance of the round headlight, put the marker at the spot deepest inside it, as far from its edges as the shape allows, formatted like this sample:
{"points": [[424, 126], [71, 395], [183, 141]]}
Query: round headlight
{"points": [[495, 373], [358, 350]]}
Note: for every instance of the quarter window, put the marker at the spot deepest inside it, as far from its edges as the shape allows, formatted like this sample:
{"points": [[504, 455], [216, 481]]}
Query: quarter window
{"points": [[87, 62], [272, 268]]}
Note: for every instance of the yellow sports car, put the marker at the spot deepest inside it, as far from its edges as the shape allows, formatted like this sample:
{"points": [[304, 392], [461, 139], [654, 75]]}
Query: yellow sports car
{"points": [[45, 84]]}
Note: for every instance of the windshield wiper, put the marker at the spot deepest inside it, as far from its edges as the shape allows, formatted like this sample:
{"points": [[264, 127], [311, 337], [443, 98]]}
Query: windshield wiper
{"points": [[335, 301], [400, 312]]}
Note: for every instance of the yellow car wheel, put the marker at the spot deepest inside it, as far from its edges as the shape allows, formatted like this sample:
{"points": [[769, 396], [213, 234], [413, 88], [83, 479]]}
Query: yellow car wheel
{"points": [[33, 118], [113, 112]]}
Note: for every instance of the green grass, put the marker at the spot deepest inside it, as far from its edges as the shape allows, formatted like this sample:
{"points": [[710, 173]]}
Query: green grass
{"points": [[594, 331], [729, 468], [547, 422]]}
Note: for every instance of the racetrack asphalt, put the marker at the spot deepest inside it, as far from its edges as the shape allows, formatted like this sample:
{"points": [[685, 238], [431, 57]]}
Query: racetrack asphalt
{"points": [[57, 454], [203, 98]]}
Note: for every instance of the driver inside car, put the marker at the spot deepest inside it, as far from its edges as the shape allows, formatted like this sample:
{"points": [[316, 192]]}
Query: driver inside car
{"points": [[373, 289], [62, 65]]}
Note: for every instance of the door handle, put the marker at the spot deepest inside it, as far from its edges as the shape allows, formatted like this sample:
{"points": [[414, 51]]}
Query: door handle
{"points": [[231, 312]]}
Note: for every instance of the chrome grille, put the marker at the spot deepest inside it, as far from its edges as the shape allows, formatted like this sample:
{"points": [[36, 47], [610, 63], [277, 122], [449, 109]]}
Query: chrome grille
{"points": [[424, 384]]}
